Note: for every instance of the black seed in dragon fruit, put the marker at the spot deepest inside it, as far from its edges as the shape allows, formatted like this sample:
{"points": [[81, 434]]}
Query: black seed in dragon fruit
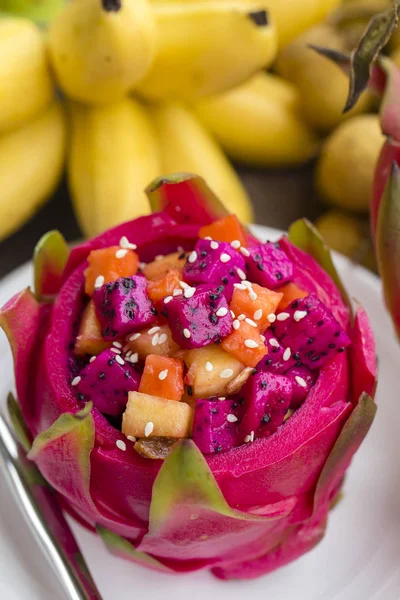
{"points": [[215, 425], [311, 332], [303, 379], [123, 306], [106, 382], [200, 320], [214, 262], [268, 265], [267, 398], [278, 359]]}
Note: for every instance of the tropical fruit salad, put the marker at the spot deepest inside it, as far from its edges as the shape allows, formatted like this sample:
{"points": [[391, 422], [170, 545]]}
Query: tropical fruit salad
{"points": [[194, 393]]}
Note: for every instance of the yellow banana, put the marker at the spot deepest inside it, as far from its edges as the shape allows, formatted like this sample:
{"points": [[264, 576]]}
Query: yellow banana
{"points": [[31, 163], [187, 146], [112, 157], [259, 123], [205, 48], [26, 87], [101, 48]]}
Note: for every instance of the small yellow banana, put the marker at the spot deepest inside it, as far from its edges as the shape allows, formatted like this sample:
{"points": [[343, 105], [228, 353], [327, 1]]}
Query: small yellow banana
{"points": [[31, 164], [259, 123], [187, 146], [26, 88], [205, 48], [101, 48], [112, 157]]}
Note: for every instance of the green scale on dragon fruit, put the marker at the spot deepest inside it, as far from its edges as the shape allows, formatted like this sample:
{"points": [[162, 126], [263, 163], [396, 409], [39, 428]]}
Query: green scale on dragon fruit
{"points": [[123, 306], [311, 332], [215, 425], [106, 381], [214, 262], [268, 265], [267, 398], [202, 319]]}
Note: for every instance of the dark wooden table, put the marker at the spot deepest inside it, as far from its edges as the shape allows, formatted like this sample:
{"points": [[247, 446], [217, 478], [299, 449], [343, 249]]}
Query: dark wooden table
{"points": [[279, 198]]}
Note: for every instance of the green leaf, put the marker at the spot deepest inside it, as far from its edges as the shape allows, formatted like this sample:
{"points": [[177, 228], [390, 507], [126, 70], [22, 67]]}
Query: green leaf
{"points": [[119, 546], [354, 431], [388, 245], [49, 260], [305, 236], [18, 422]]}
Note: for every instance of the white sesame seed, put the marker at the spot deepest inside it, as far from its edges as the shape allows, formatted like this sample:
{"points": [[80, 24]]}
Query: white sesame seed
{"points": [[247, 439], [75, 381], [134, 337], [287, 354], [252, 436], [299, 315], [283, 316], [168, 299], [244, 251], [214, 245], [162, 338], [250, 322], [274, 342], [186, 333], [222, 312], [128, 354], [247, 284], [117, 344], [271, 318], [250, 344], [115, 350], [239, 286], [184, 285], [258, 314], [121, 445], [148, 429], [208, 238], [235, 244], [231, 418], [99, 282], [125, 243], [224, 258], [93, 359], [226, 373], [232, 314], [209, 366], [154, 330], [242, 317], [131, 438], [119, 360], [163, 375], [177, 293], [253, 295], [121, 253], [222, 398], [189, 292], [134, 358], [159, 257], [192, 257], [154, 339], [241, 273], [236, 324], [301, 381], [262, 337]]}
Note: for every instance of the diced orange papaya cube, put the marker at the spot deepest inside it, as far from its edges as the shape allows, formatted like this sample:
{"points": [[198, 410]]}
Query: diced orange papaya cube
{"points": [[89, 339], [150, 416], [257, 310], [162, 377], [245, 344], [158, 289], [290, 292], [227, 229], [160, 266], [110, 264], [159, 341]]}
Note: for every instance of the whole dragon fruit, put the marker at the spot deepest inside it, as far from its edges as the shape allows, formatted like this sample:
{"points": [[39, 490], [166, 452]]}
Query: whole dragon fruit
{"points": [[242, 509]]}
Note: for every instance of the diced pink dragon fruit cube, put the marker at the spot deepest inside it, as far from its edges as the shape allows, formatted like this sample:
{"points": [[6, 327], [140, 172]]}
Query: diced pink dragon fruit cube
{"points": [[268, 265], [215, 426], [276, 360], [303, 379]]}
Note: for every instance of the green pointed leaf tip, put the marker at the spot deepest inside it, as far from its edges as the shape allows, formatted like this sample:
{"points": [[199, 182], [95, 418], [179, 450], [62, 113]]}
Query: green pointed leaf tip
{"points": [[341, 59], [49, 259], [388, 245], [305, 236], [170, 179], [18, 422], [374, 39], [121, 547]]}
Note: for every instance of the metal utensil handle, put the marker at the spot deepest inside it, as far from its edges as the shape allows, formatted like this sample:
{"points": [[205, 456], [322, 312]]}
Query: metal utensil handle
{"points": [[35, 504]]}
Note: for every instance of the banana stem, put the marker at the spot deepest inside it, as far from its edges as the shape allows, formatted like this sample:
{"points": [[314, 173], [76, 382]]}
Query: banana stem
{"points": [[111, 5]]}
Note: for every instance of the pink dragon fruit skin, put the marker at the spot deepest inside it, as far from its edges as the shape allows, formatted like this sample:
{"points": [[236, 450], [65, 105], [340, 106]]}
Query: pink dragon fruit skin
{"points": [[280, 486], [106, 382], [123, 306], [303, 379], [268, 265], [214, 262], [310, 331], [266, 401], [195, 322], [212, 429]]}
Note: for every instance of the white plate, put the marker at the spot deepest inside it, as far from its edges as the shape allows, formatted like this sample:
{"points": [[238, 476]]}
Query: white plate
{"points": [[359, 559]]}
